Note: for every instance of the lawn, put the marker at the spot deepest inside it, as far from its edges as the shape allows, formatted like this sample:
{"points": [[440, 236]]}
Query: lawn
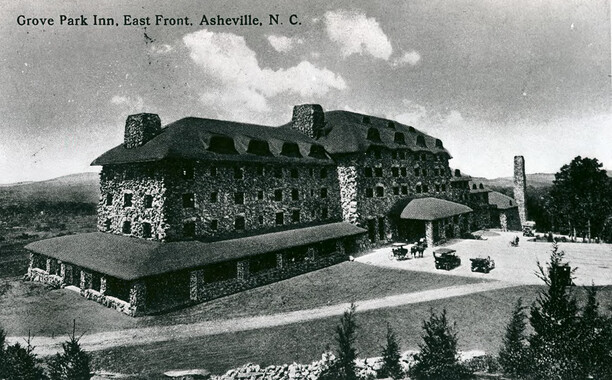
{"points": [[32, 307], [481, 319]]}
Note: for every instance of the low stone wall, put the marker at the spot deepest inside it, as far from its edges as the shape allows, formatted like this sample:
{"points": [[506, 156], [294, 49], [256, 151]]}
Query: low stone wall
{"points": [[108, 301], [39, 275]]}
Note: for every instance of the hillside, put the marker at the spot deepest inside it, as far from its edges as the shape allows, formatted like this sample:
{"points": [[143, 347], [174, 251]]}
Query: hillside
{"points": [[536, 180], [79, 188]]}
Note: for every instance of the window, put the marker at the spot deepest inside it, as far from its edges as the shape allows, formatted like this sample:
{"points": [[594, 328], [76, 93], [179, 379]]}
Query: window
{"points": [[324, 192], [311, 172], [295, 216], [394, 154], [239, 223], [188, 200], [402, 155], [324, 213], [259, 147], [367, 172], [420, 141], [260, 170], [260, 195], [127, 227], [395, 171], [146, 230], [280, 218], [214, 197], [380, 191], [324, 173], [443, 187], [399, 138], [107, 224], [222, 144], [239, 198], [404, 172], [214, 224], [260, 219], [278, 173], [404, 190], [417, 172], [396, 190], [311, 193], [369, 192], [189, 229], [295, 194], [425, 189], [439, 143], [294, 173], [366, 120], [127, 200], [109, 199], [373, 135], [424, 172], [213, 171], [418, 189], [378, 172], [278, 195], [423, 157], [148, 201], [437, 187], [377, 154], [238, 174], [188, 172], [290, 150]]}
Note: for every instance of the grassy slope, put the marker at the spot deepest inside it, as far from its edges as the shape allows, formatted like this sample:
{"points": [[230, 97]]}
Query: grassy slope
{"points": [[28, 306], [481, 320], [79, 188]]}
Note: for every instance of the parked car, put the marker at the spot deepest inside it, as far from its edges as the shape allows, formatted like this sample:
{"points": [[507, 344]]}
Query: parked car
{"points": [[446, 258], [484, 265]]}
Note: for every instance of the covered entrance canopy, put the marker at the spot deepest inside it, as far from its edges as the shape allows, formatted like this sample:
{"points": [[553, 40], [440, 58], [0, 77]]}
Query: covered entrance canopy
{"points": [[437, 218]]}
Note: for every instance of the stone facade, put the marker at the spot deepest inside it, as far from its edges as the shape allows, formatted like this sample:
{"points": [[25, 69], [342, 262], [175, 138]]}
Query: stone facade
{"points": [[520, 186]]}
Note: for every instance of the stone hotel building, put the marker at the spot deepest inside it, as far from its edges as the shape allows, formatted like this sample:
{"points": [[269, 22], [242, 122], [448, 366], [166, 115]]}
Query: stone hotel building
{"points": [[203, 208]]}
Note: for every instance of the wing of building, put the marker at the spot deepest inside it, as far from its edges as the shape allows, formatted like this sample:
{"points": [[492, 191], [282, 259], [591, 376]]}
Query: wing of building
{"points": [[201, 208]]}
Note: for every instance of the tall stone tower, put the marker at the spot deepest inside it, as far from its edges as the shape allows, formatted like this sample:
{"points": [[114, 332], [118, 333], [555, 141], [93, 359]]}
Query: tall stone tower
{"points": [[520, 184]]}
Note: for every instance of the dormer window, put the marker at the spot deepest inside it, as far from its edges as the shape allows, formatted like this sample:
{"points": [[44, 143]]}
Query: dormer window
{"points": [[222, 144], [291, 150], [411, 129], [365, 120], [317, 151], [399, 138], [373, 135], [391, 124], [420, 141], [439, 143], [259, 147]]}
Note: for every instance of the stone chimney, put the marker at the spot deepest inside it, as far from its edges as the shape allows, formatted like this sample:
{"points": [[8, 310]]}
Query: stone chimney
{"points": [[308, 119], [141, 128], [520, 184]]}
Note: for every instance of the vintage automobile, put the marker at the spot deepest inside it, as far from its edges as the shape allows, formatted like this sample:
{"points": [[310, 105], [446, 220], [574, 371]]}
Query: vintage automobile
{"points": [[529, 229], [399, 252], [446, 258], [484, 265]]}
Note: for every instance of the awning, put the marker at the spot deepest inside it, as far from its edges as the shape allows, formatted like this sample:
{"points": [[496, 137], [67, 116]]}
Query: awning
{"points": [[432, 208], [129, 258]]}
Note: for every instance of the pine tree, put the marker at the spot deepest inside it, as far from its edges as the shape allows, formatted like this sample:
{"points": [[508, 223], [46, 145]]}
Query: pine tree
{"points": [[391, 366], [3, 363], [513, 356], [20, 363], [73, 363], [554, 318], [595, 339], [343, 367], [439, 358]]}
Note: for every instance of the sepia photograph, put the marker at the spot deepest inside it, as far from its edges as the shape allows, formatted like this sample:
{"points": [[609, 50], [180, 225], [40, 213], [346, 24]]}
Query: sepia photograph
{"points": [[303, 190]]}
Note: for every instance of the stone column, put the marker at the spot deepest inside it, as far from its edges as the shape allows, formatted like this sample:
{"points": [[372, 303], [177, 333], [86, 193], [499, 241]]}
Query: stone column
{"points": [[138, 296], [49, 264], [32, 264], [311, 253], [347, 176], [457, 227], [86, 280], [281, 260], [68, 274], [103, 284], [429, 233], [503, 221], [242, 270], [196, 285], [520, 185], [63, 272]]}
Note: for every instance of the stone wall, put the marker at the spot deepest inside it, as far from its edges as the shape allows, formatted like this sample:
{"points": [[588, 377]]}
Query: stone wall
{"points": [[520, 186], [140, 128], [304, 194], [308, 119]]}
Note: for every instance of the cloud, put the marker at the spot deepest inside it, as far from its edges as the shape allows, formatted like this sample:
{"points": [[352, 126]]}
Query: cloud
{"points": [[411, 58], [357, 34], [227, 59], [132, 104], [161, 49], [283, 44]]}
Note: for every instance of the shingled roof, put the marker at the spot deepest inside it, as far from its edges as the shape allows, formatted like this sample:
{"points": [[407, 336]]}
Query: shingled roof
{"points": [[502, 201], [350, 132], [131, 258], [195, 138], [432, 209]]}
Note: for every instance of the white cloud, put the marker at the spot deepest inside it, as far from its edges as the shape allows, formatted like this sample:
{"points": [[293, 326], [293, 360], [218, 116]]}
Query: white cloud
{"points": [[412, 58], [283, 44], [357, 34], [161, 49], [132, 104], [242, 82]]}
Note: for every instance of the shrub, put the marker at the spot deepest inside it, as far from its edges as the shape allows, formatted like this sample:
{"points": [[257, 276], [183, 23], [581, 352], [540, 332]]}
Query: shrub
{"points": [[439, 358], [391, 366]]}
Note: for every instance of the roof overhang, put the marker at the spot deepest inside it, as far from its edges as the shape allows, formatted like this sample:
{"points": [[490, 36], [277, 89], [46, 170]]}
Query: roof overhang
{"points": [[432, 209]]}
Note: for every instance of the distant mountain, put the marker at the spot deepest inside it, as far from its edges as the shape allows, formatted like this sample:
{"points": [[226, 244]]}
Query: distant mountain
{"points": [[81, 188], [536, 180]]}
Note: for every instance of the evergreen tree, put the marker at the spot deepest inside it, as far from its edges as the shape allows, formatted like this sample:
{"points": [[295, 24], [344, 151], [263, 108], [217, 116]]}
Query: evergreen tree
{"points": [[439, 358], [391, 366], [72, 364], [3, 363], [343, 367], [595, 340], [20, 363], [513, 356], [554, 318]]}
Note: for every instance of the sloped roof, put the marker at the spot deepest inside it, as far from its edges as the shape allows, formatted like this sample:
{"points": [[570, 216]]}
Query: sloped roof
{"points": [[347, 132], [432, 209], [502, 201], [190, 138], [131, 258]]}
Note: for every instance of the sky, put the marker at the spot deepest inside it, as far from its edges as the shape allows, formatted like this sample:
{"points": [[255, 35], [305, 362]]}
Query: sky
{"points": [[491, 78]]}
